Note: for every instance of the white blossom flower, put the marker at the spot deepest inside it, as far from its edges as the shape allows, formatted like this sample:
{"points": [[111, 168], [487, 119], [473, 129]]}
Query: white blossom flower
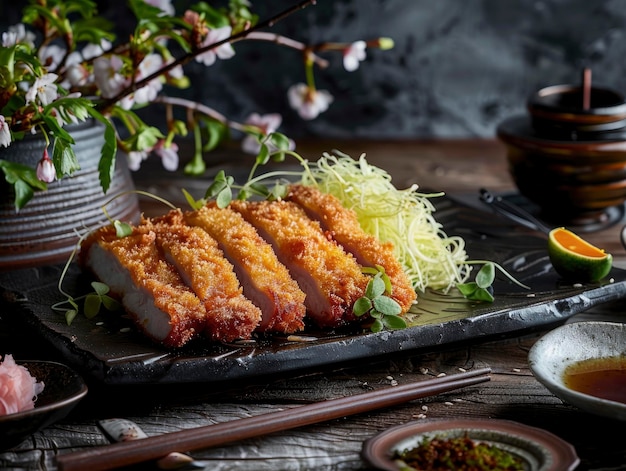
{"points": [[147, 93], [51, 56], [267, 124], [225, 51], [164, 5], [135, 158], [353, 55], [168, 154], [17, 34], [91, 51], [45, 169], [106, 74], [43, 89], [5, 133], [308, 102]]}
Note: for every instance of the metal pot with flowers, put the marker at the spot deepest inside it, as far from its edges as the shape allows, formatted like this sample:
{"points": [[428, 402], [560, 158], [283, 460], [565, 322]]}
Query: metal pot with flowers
{"points": [[65, 68]]}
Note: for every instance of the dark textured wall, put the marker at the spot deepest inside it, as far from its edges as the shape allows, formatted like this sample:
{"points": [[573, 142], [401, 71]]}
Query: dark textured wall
{"points": [[457, 70]]}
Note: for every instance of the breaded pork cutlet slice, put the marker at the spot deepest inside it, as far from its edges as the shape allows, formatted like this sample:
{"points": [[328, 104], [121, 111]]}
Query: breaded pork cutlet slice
{"points": [[265, 280], [203, 266], [343, 225], [150, 289], [330, 277]]}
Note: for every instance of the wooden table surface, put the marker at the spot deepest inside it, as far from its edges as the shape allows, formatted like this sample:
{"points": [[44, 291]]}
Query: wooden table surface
{"points": [[458, 168]]}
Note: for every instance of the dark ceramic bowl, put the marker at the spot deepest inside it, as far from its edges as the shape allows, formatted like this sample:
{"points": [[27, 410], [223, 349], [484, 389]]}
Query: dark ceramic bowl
{"points": [[572, 181], [559, 110], [63, 389], [538, 449]]}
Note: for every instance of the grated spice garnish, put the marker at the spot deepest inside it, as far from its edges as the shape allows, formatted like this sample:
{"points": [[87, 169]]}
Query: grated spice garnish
{"points": [[460, 454]]}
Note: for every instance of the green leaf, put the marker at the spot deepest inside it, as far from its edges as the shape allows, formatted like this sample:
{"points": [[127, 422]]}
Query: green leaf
{"points": [[70, 314], [110, 303], [192, 202], [486, 275], [375, 287], [481, 294], [377, 326], [122, 229], [92, 305], [216, 132], [64, 158], [387, 306], [224, 197], [394, 322], [264, 155], [362, 306], [100, 288], [467, 289], [279, 140]]}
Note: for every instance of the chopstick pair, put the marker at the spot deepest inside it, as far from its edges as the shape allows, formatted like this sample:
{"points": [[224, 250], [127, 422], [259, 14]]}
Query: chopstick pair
{"points": [[152, 448]]}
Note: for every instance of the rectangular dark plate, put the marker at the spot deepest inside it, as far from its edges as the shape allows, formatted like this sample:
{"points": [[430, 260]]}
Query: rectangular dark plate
{"points": [[109, 350]]}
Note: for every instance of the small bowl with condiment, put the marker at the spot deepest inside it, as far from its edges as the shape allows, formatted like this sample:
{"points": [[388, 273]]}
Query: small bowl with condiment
{"points": [[503, 443], [63, 389], [584, 364]]}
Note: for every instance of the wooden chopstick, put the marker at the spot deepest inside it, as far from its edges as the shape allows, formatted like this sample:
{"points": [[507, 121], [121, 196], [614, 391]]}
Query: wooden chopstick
{"points": [[152, 448]]}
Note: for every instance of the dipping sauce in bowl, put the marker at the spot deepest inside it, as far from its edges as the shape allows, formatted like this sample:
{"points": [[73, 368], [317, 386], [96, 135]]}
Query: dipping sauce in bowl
{"points": [[601, 377], [585, 353]]}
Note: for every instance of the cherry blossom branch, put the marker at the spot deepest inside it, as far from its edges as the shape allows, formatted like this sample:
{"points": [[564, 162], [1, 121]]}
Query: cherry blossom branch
{"points": [[190, 56], [195, 106], [288, 42]]}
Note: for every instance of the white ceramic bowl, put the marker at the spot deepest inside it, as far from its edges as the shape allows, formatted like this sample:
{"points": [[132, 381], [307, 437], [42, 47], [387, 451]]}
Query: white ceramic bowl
{"points": [[570, 343]]}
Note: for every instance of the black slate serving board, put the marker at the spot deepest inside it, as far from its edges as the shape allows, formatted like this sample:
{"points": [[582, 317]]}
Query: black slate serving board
{"points": [[107, 348]]}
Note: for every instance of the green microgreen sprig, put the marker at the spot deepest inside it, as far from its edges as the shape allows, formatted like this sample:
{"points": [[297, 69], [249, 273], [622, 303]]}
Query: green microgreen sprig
{"points": [[481, 288], [275, 148], [93, 301], [384, 311]]}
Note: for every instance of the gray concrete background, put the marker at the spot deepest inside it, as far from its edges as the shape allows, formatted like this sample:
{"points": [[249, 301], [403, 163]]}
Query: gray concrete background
{"points": [[457, 70]]}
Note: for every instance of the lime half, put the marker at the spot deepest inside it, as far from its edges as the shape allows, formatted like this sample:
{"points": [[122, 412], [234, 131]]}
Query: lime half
{"points": [[576, 259]]}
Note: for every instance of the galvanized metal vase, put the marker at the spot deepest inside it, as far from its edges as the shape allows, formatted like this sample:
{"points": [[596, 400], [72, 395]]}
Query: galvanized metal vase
{"points": [[44, 231]]}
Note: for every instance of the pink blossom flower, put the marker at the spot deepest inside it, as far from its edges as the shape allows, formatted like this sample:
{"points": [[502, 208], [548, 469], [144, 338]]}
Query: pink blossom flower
{"points": [[225, 51], [45, 169], [308, 102], [5, 133], [43, 89], [267, 124], [147, 93], [353, 55], [168, 154]]}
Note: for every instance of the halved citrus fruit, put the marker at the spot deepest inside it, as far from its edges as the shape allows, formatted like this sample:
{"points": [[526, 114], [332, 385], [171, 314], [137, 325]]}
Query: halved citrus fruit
{"points": [[576, 259]]}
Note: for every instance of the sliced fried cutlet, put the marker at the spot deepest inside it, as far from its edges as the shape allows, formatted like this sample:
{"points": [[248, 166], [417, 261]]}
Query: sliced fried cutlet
{"points": [[342, 224], [151, 290], [265, 280], [330, 277], [201, 263]]}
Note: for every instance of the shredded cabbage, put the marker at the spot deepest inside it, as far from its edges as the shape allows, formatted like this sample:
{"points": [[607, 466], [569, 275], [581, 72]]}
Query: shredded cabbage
{"points": [[402, 217]]}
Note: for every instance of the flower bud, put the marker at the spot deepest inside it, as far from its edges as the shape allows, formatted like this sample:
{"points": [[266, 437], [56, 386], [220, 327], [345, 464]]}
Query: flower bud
{"points": [[385, 43], [45, 169]]}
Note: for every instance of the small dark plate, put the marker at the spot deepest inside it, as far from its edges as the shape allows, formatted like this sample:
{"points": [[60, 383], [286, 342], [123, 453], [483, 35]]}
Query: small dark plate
{"points": [[63, 389], [539, 449]]}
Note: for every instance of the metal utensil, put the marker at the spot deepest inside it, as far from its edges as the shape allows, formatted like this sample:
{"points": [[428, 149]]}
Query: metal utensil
{"points": [[513, 212], [123, 430]]}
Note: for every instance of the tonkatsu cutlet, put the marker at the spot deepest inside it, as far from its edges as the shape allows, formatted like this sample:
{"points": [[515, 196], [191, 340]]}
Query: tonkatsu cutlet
{"points": [[265, 280], [343, 225], [330, 277]]}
